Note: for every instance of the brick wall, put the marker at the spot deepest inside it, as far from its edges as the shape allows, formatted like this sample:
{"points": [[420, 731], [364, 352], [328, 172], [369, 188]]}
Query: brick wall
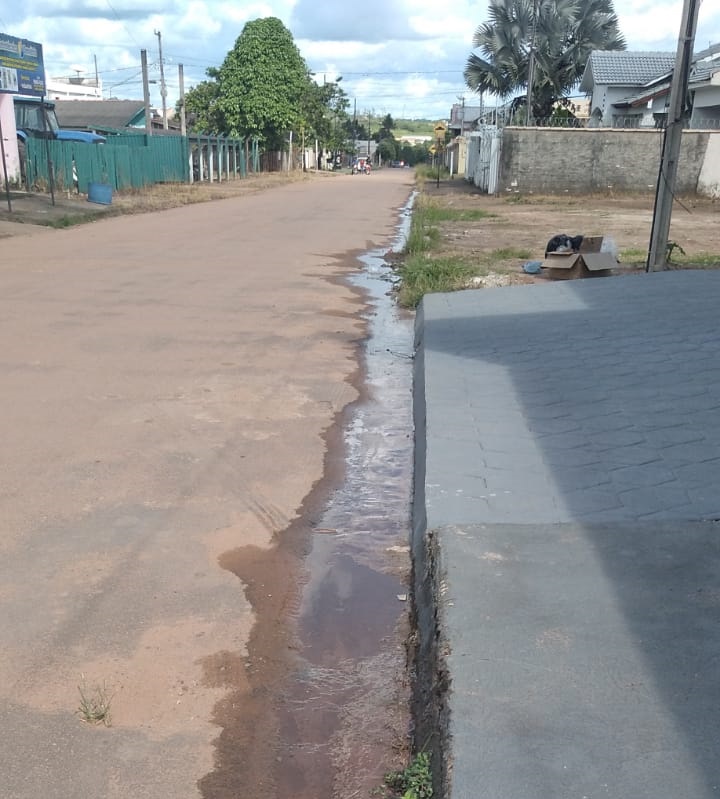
{"points": [[552, 160]]}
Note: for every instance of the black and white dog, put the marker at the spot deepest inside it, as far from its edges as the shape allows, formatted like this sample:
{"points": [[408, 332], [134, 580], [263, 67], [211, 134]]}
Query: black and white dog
{"points": [[563, 243]]}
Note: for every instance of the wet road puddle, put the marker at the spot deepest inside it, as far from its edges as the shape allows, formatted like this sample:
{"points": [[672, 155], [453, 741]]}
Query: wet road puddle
{"points": [[329, 701]]}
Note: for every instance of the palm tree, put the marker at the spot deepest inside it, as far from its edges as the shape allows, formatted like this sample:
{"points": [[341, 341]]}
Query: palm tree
{"points": [[556, 36]]}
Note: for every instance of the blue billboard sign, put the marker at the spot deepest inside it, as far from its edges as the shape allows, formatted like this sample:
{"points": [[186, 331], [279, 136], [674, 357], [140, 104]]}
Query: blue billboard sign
{"points": [[21, 66]]}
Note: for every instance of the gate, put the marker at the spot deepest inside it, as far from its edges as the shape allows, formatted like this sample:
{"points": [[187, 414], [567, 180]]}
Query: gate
{"points": [[483, 163]]}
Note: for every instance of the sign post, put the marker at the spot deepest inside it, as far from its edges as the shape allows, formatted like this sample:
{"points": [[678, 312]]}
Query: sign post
{"points": [[440, 130]]}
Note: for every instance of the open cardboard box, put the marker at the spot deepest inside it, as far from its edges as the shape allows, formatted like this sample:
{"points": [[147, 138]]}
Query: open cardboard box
{"points": [[588, 261]]}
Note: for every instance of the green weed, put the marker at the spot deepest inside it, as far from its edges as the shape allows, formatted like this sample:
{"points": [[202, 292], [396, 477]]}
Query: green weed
{"points": [[414, 781], [422, 275], [94, 704]]}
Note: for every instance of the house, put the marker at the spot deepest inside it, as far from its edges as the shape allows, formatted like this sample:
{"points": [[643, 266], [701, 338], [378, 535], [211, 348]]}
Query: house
{"points": [[623, 85], [704, 85], [101, 116], [632, 89], [463, 118]]}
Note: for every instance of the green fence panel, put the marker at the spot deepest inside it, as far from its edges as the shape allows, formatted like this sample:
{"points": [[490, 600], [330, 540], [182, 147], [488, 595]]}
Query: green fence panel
{"points": [[129, 161]]}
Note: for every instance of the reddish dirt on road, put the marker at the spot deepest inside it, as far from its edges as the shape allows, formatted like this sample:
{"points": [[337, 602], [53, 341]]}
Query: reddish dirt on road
{"points": [[170, 382]]}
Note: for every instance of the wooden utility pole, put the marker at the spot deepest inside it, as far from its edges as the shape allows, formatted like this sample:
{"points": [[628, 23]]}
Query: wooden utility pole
{"points": [[146, 92], [163, 87], [667, 175], [183, 116]]}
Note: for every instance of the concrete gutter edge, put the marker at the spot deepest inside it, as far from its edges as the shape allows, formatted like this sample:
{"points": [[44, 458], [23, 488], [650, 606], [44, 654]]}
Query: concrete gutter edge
{"points": [[431, 676]]}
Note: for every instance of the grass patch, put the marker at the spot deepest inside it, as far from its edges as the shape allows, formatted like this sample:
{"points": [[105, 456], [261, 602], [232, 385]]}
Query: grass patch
{"points": [[422, 275], [436, 213], [632, 256], [704, 259], [424, 236], [414, 781], [94, 704], [676, 257], [70, 220], [506, 254], [427, 173]]}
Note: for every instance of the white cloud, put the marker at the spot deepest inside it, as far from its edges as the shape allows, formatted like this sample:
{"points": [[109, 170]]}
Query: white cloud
{"points": [[404, 57]]}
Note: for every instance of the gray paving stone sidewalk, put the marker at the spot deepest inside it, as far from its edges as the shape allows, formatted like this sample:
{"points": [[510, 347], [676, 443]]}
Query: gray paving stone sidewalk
{"points": [[568, 463]]}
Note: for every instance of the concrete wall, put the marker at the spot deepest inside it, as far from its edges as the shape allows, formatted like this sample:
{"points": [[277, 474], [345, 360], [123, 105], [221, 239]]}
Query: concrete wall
{"points": [[709, 180], [558, 160]]}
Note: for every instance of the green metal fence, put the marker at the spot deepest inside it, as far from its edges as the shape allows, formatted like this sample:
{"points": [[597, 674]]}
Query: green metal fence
{"points": [[134, 160]]}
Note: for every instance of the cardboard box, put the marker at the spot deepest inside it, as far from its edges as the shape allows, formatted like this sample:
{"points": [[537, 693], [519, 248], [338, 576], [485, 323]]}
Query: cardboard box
{"points": [[588, 261]]}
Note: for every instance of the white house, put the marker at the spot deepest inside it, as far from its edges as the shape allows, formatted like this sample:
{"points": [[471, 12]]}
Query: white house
{"points": [[632, 89]]}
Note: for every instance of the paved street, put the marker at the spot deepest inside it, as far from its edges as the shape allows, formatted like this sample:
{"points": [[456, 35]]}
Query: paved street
{"points": [[168, 381], [569, 467]]}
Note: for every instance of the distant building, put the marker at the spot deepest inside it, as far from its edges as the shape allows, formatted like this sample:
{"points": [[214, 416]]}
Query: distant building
{"points": [[413, 140], [463, 118], [75, 88]]}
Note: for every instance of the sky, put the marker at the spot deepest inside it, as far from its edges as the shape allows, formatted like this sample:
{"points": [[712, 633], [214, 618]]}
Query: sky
{"points": [[399, 57]]}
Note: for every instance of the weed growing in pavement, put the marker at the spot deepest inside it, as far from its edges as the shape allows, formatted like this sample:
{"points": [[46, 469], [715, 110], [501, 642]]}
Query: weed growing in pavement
{"points": [[414, 781], [94, 703]]}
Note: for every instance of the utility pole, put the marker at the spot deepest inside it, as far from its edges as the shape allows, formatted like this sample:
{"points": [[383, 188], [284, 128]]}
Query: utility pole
{"points": [[163, 88], [146, 92], [183, 116], [667, 176]]}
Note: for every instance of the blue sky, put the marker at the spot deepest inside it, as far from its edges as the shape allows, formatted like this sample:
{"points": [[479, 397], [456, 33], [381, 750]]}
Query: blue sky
{"points": [[402, 57]]}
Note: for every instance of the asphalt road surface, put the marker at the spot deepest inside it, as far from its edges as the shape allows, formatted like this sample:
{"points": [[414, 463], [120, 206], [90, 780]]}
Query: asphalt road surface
{"points": [[168, 382]]}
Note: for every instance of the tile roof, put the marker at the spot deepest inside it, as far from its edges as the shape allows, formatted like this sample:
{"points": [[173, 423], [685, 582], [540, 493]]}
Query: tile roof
{"points": [[704, 70], [625, 68], [97, 113]]}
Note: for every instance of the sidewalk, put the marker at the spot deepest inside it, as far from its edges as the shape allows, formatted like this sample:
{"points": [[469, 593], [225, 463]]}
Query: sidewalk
{"points": [[31, 210], [566, 551]]}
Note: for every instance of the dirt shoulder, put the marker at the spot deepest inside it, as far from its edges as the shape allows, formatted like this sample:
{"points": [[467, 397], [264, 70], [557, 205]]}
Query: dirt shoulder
{"points": [[517, 227]]}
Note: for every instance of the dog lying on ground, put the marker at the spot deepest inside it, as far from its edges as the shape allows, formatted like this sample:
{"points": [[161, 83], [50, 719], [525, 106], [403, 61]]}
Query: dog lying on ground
{"points": [[563, 243]]}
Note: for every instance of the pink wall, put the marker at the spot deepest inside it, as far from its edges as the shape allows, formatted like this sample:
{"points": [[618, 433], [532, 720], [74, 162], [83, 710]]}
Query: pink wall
{"points": [[9, 134]]}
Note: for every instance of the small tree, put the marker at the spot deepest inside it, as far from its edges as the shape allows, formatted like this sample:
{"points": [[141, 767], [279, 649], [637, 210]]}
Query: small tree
{"points": [[202, 112], [560, 34]]}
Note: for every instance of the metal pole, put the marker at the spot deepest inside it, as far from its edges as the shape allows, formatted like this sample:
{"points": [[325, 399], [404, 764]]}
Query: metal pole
{"points": [[665, 190], [46, 136]]}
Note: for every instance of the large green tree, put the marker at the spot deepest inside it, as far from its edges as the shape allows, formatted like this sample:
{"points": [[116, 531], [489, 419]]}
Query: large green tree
{"points": [[561, 35], [264, 90], [263, 83]]}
